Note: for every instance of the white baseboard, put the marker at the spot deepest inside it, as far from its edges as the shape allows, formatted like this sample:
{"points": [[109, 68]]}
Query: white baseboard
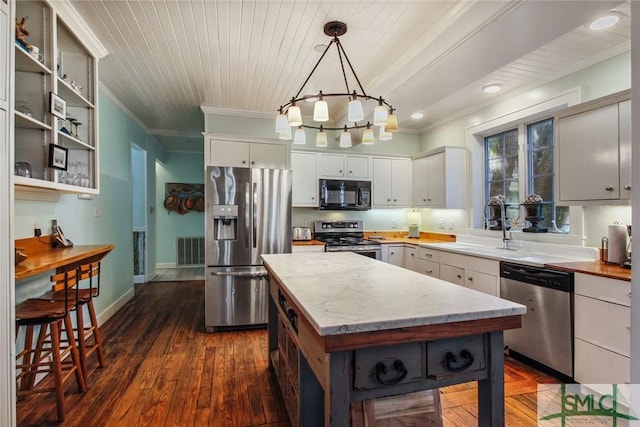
{"points": [[165, 265], [113, 308]]}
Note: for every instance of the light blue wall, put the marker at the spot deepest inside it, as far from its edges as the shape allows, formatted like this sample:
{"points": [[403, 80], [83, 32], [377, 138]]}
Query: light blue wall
{"points": [[181, 168], [113, 206]]}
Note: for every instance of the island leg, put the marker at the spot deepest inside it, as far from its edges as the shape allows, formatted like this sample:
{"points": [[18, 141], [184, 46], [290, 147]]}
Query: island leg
{"points": [[491, 390], [337, 406]]}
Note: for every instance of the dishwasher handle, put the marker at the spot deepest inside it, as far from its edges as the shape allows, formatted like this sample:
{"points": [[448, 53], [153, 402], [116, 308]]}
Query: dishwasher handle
{"points": [[545, 277]]}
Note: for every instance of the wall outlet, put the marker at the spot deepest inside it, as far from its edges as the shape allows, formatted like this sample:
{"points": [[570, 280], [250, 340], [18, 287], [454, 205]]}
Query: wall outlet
{"points": [[451, 224], [394, 224], [441, 223]]}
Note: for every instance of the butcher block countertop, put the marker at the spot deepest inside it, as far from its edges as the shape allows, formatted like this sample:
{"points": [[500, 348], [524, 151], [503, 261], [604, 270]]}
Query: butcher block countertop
{"points": [[343, 293], [42, 257], [595, 268]]}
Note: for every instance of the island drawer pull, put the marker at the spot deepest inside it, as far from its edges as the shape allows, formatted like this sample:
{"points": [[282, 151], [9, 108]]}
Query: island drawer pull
{"points": [[381, 369], [450, 359]]}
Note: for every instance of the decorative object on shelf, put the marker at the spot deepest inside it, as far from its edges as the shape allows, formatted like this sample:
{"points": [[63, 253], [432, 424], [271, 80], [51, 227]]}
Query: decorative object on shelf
{"points": [[58, 157], [57, 106], [75, 86], [22, 33], [533, 207], [184, 198], [290, 114], [495, 219], [22, 169], [35, 54]]}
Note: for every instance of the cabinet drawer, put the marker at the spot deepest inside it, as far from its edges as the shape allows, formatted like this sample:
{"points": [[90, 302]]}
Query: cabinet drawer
{"points": [[603, 288], [384, 366], [609, 329], [595, 365], [452, 356], [430, 268], [428, 254]]}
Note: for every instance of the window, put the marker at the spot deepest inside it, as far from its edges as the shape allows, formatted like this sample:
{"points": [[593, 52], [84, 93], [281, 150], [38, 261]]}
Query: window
{"points": [[503, 176], [501, 169]]}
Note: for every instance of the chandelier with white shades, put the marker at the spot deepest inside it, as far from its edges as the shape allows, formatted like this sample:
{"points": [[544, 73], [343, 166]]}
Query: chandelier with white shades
{"points": [[290, 114]]}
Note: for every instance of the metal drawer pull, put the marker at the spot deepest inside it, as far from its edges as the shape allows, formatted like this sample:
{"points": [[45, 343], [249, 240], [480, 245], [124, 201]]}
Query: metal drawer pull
{"points": [[450, 359], [381, 369]]}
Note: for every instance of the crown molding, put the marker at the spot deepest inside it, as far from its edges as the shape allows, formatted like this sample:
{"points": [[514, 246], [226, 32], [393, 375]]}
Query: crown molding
{"points": [[235, 112], [176, 133]]}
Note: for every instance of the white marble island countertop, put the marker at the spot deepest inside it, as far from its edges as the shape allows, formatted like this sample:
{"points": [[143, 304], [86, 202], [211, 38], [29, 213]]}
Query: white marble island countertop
{"points": [[343, 292]]}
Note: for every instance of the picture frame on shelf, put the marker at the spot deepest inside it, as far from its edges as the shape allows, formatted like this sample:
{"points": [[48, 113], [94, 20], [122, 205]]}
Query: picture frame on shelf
{"points": [[58, 157], [57, 106]]}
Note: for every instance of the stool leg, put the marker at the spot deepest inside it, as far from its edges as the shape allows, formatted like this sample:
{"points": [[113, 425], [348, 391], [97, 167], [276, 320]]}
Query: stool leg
{"points": [[75, 356], [37, 353], [82, 346], [25, 380], [57, 368], [97, 336]]}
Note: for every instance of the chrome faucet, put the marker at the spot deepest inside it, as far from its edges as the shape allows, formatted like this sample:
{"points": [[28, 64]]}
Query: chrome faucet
{"points": [[503, 221]]}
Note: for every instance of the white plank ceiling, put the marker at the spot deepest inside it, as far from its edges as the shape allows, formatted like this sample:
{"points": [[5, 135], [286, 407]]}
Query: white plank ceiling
{"points": [[168, 58]]}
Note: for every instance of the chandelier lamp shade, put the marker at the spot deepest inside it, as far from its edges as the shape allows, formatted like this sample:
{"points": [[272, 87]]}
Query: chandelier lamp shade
{"points": [[290, 114]]}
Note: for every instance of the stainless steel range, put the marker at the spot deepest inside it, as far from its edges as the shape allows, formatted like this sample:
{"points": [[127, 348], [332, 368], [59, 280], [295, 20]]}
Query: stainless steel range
{"points": [[342, 236]]}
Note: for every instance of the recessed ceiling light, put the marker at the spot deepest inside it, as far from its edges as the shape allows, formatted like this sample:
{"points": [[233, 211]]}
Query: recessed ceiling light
{"points": [[604, 22], [417, 115], [320, 48], [492, 88]]}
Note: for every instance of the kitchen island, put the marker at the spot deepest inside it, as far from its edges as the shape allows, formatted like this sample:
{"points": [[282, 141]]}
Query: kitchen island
{"points": [[344, 328]]}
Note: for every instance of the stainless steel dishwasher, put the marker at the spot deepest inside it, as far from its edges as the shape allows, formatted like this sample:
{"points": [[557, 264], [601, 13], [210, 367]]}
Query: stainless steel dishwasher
{"points": [[546, 335]]}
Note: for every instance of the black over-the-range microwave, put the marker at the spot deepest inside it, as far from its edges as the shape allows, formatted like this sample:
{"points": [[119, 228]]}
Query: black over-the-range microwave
{"points": [[339, 194]]}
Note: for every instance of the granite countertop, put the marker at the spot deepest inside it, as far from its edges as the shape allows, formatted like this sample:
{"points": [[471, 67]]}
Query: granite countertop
{"points": [[342, 292]]}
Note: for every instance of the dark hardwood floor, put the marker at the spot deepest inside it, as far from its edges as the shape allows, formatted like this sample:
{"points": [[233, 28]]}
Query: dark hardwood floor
{"points": [[164, 370]]}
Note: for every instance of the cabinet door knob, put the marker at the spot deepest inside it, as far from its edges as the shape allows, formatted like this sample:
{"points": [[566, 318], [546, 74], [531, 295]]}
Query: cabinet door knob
{"points": [[340, 171], [428, 255], [413, 254], [428, 271], [470, 279], [608, 188], [313, 198], [428, 200], [627, 187], [252, 162], [388, 200], [395, 200], [424, 200], [459, 276], [350, 172]]}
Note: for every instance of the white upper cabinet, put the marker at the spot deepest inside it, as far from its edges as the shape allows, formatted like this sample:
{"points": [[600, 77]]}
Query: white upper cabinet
{"points": [[440, 178], [344, 166], [55, 111], [304, 181], [248, 154], [391, 182], [593, 152]]}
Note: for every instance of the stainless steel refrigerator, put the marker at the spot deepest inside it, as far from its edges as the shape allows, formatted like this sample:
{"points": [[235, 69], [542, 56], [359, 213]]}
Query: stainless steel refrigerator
{"points": [[248, 213]]}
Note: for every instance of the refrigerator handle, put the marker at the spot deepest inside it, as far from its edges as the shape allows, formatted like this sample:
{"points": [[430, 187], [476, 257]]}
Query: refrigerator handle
{"points": [[255, 215], [255, 274]]}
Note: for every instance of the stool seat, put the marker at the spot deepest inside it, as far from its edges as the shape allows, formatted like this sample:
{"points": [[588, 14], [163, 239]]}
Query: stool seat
{"points": [[36, 310]]}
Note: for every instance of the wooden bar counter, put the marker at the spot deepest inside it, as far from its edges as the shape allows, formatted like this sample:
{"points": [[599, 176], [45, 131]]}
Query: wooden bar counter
{"points": [[344, 329], [42, 257]]}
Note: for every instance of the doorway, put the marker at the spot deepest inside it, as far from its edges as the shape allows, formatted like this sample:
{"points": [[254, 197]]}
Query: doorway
{"points": [[139, 214]]}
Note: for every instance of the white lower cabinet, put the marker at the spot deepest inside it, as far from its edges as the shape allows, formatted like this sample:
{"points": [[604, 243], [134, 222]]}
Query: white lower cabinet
{"points": [[602, 340], [476, 273], [393, 254], [296, 249]]}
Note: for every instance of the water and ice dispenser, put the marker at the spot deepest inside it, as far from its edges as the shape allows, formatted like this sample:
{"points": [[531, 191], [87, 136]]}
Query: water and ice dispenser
{"points": [[225, 222]]}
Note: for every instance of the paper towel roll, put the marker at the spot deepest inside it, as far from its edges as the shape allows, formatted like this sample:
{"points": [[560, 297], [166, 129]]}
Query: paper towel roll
{"points": [[617, 235]]}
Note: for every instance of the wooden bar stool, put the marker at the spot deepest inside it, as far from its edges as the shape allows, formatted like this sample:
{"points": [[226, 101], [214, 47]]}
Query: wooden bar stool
{"points": [[89, 273], [51, 350]]}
